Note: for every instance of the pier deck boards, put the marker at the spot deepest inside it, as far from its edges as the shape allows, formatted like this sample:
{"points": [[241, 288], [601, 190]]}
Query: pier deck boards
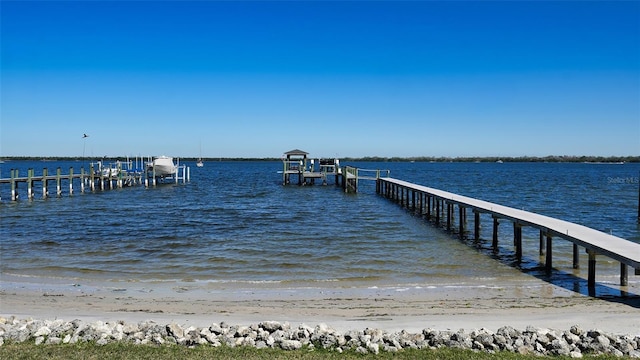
{"points": [[594, 241]]}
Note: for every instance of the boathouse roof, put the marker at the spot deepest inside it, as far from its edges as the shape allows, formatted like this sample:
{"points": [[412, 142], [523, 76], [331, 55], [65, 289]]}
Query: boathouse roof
{"points": [[296, 152]]}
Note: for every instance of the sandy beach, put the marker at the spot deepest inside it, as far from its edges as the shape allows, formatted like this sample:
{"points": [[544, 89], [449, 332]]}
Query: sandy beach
{"points": [[412, 309]]}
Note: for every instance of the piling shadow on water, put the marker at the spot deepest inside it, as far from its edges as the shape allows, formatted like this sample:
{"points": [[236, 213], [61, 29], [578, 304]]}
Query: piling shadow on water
{"points": [[558, 277]]}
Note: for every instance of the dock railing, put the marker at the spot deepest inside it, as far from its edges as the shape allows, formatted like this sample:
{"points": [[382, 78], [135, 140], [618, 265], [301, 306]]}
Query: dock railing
{"points": [[352, 175]]}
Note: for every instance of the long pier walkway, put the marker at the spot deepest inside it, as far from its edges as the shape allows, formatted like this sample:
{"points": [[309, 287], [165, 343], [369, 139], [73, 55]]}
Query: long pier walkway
{"points": [[440, 206]]}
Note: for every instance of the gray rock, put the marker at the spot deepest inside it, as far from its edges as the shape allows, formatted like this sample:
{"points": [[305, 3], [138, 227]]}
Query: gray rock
{"points": [[290, 344], [271, 326], [576, 330], [175, 331]]}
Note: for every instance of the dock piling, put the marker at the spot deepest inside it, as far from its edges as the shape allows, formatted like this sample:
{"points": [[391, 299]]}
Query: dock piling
{"points": [[518, 240], [30, 184], [591, 280], [624, 275], [494, 243], [549, 256], [462, 219], [45, 183], [71, 181], [14, 184], [476, 226], [58, 182]]}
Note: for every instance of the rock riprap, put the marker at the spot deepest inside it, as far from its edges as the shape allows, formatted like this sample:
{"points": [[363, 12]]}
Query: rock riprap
{"points": [[573, 342]]}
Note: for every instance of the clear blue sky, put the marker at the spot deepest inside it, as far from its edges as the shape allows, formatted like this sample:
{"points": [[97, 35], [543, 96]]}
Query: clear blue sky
{"points": [[256, 79]]}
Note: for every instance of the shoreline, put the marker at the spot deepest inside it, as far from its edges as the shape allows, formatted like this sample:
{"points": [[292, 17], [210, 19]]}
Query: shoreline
{"points": [[392, 309]]}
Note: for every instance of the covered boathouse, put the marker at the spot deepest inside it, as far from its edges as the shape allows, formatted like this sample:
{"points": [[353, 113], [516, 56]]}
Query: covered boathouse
{"points": [[297, 163]]}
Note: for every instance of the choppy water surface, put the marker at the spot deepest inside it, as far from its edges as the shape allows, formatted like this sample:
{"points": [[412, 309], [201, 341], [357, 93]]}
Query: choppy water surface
{"points": [[236, 222]]}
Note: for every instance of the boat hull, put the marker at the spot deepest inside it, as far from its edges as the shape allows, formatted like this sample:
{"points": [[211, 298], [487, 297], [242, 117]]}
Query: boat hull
{"points": [[163, 166]]}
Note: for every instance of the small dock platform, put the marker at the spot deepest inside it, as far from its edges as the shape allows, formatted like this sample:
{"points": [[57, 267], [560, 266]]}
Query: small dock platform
{"points": [[296, 164], [440, 206]]}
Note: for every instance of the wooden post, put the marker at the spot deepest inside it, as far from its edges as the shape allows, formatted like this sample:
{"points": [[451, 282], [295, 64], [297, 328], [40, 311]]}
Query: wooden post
{"points": [[45, 183], [624, 277], [428, 207], [437, 211], [449, 212], [518, 240], [121, 175], [413, 200], [92, 178], [461, 227], [494, 243], [476, 226], [14, 185], [452, 214], [576, 257], [549, 260], [404, 200], [541, 243], [71, 181], [58, 182], [591, 281], [30, 184], [82, 178]]}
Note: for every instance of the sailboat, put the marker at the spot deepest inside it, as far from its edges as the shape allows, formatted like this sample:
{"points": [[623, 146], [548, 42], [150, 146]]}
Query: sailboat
{"points": [[200, 163]]}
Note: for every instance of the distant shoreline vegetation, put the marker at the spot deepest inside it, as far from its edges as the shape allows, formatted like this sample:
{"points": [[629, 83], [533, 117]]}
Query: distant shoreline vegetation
{"points": [[486, 159]]}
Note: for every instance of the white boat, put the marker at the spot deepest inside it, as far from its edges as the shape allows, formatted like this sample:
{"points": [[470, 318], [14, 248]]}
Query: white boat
{"points": [[200, 163], [162, 166], [110, 170]]}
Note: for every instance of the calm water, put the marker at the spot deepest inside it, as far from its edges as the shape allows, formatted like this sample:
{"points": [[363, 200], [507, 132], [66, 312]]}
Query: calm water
{"points": [[235, 222]]}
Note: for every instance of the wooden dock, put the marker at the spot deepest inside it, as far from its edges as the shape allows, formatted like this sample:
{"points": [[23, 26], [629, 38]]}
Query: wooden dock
{"points": [[99, 177], [440, 207], [296, 164]]}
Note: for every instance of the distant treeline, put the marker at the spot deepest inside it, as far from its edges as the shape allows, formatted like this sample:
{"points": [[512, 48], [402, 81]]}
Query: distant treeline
{"points": [[551, 158], [555, 159]]}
